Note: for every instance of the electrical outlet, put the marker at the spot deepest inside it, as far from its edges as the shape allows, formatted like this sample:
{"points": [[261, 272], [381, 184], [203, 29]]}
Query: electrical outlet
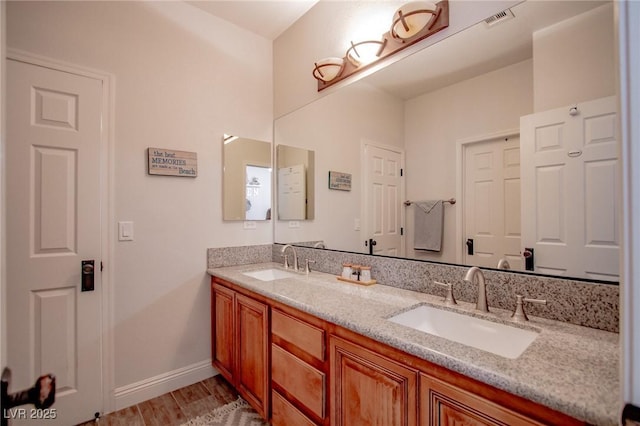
{"points": [[294, 224], [249, 224]]}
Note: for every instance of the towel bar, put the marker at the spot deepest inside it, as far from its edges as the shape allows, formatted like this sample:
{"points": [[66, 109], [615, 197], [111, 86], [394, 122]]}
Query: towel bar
{"points": [[451, 201]]}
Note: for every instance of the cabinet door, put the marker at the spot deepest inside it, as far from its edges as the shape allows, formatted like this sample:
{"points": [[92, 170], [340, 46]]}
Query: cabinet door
{"points": [[222, 327], [252, 345], [445, 404], [370, 389]]}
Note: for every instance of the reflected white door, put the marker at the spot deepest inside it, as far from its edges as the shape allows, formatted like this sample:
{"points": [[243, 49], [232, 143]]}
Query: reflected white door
{"points": [[53, 223], [492, 202], [383, 197], [570, 216], [292, 193]]}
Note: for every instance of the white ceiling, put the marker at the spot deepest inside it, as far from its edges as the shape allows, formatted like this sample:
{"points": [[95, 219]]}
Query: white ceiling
{"points": [[268, 18]]}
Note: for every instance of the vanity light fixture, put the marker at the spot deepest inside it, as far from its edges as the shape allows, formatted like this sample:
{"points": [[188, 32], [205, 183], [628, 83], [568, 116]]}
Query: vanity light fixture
{"points": [[328, 69], [411, 23], [412, 18]]}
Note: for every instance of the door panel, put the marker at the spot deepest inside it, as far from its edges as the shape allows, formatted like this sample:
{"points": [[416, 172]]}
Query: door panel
{"points": [[54, 197], [369, 389], [383, 199], [252, 335], [492, 202], [223, 326], [292, 193], [53, 224], [571, 161]]}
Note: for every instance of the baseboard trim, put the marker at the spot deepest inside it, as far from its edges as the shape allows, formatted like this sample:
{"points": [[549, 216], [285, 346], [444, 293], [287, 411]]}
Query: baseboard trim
{"points": [[152, 387]]}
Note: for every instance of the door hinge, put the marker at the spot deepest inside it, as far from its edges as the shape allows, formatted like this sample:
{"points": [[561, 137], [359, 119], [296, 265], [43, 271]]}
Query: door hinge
{"points": [[401, 172], [101, 266], [401, 231]]}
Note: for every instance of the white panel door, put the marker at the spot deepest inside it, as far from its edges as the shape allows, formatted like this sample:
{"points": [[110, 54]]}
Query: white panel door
{"points": [[53, 223], [492, 202], [292, 193], [384, 193], [570, 214]]}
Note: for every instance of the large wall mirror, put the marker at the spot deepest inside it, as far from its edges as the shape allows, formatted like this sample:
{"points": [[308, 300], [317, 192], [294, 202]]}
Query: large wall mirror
{"points": [[445, 123], [246, 179]]}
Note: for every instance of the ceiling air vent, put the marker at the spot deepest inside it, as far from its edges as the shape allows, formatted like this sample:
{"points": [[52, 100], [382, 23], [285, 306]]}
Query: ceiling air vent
{"points": [[499, 17]]}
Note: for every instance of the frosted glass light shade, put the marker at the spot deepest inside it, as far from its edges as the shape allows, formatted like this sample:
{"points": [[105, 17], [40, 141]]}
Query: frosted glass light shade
{"points": [[412, 18], [328, 69], [365, 52]]}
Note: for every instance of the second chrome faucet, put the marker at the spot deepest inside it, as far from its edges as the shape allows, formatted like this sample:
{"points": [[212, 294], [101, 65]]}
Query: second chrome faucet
{"points": [[295, 267], [473, 273], [286, 258]]}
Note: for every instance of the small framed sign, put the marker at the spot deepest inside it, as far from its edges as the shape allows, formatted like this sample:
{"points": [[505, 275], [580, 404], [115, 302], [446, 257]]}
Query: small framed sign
{"points": [[168, 162], [340, 181]]}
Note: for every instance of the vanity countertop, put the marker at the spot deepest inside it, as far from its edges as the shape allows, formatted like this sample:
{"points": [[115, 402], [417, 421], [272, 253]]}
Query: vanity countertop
{"points": [[569, 368]]}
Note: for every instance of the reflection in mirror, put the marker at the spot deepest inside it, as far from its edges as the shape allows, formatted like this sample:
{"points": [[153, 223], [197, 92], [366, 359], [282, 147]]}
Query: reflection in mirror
{"points": [[444, 108], [246, 179], [295, 182]]}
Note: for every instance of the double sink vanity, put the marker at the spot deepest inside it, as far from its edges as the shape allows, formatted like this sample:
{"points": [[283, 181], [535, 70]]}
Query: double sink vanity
{"points": [[308, 349]]}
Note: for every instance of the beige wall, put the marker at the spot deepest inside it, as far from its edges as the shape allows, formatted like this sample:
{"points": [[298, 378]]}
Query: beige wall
{"points": [[328, 28], [183, 78], [575, 60]]}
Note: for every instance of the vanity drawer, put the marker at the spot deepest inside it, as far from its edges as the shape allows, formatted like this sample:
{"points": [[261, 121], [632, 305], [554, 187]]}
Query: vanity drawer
{"points": [[283, 413], [305, 336], [299, 379]]}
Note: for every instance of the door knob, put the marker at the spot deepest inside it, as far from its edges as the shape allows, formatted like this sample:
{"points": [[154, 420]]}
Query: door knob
{"points": [[372, 243], [469, 244], [87, 272], [528, 259]]}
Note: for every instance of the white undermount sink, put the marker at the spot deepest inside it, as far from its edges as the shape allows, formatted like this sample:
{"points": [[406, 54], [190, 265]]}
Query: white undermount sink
{"points": [[499, 339], [269, 274]]}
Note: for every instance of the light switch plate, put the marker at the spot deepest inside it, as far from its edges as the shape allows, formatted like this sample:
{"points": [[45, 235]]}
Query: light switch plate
{"points": [[249, 224], [125, 231], [294, 224]]}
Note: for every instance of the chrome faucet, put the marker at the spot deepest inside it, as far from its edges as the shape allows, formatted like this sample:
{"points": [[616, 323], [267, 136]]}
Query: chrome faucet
{"points": [[503, 264], [295, 257], [472, 273]]}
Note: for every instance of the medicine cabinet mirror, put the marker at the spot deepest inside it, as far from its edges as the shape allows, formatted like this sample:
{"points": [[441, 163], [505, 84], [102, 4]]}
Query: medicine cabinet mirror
{"points": [[246, 179]]}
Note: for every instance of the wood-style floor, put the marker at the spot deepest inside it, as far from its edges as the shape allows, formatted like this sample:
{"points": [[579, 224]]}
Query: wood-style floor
{"points": [[174, 408]]}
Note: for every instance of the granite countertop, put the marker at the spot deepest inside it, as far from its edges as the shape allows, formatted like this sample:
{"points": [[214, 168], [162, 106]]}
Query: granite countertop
{"points": [[569, 368]]}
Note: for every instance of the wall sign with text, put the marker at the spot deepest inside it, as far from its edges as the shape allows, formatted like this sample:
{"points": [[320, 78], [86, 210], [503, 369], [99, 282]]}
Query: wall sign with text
{"points": [[168, 162], [340, 181]]}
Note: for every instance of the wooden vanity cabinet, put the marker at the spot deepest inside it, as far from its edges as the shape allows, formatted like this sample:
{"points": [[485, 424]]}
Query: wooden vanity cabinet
{"points": [[240, 350], [296, 369], [375, 384]]}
